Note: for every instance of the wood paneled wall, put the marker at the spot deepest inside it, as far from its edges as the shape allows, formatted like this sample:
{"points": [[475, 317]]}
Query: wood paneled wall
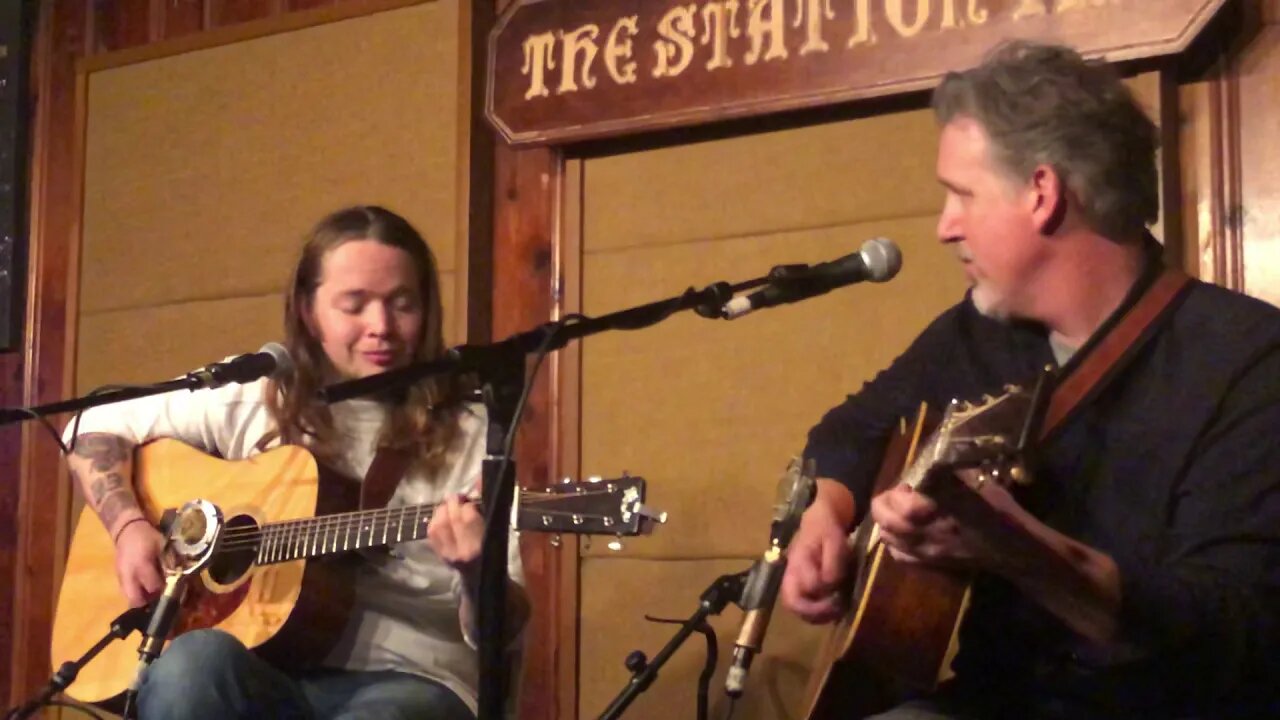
{"points": [[1230, 145]]}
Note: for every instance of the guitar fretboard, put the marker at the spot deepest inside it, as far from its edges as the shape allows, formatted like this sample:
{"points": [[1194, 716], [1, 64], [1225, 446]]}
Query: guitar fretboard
{"points": [[287, 540], [608, 509]]}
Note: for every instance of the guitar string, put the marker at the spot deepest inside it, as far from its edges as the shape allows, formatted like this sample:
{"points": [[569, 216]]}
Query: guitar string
{"points": [[247, 537], [250, 538], [292, 545], [330, 520], [526, 498], [312, 528]]}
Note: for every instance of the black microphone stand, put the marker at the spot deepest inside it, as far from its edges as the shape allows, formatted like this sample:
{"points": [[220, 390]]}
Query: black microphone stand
{"points": [[724, 590], [503, 381], [127, 622], [191, 381]]}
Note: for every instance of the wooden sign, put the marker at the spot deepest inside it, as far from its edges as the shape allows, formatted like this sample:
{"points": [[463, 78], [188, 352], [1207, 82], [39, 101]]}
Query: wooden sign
{"points": [[568, 70]]}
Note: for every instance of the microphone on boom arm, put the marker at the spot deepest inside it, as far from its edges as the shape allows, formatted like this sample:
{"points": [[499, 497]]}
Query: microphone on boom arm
{"points": [[878, 260]]}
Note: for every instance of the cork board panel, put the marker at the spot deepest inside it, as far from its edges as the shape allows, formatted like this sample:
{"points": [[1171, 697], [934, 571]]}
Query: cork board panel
{"points": [[617, 593], [203, 170], [710, 411], [820, 176], [142, 345]]}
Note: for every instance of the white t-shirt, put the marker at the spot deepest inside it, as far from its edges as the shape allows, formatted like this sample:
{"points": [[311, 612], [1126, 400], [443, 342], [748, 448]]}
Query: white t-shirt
{"points": [[405, 616]]}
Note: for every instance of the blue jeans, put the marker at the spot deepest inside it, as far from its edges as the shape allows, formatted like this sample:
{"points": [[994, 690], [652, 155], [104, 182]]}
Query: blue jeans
{"points": [[209, 675]]}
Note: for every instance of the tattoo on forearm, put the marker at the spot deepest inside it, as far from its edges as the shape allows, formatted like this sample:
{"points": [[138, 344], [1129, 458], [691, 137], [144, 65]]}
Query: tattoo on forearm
{"points": [[115, 503], [104, 486], [104, 450]]}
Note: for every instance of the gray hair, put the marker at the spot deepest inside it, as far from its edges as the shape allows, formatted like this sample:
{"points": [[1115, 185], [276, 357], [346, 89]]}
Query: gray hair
{"points": [[1044, 104]]}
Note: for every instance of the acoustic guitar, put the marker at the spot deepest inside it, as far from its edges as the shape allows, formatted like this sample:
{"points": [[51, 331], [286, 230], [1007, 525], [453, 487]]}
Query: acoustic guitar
{"points": [[280, 577], [899, 633]]}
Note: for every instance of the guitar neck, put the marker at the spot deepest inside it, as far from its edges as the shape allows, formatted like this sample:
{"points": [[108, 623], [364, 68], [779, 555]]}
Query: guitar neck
{"points": [[613, 507], [331, 534]]}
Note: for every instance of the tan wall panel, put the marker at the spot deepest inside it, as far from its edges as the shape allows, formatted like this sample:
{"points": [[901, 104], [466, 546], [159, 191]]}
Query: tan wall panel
{"points": [[623, 591], [709, 411], [1260, 147], [154, 343], [205, 169], [814, 177]]}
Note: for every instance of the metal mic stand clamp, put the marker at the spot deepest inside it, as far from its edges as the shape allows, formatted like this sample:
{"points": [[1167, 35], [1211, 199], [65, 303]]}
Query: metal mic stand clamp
{"points": [[726, 589]]}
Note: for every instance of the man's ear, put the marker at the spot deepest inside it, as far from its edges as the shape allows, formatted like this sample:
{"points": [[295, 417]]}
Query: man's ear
{"points": [[1047, 196]]}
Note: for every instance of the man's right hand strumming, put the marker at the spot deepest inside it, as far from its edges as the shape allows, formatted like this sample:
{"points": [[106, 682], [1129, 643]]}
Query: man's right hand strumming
{"points": [[103, 466], [818, 558]]}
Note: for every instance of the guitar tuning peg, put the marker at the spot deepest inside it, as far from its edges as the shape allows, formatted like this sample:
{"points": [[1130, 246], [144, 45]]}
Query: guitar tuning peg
{"points": [[1013, 388], [566, 480], [595, 479], [987, 399], [586, 542], [616, 544], [555, 540]]}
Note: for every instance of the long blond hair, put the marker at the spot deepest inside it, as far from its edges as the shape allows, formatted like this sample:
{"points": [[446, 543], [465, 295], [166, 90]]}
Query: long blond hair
{"points": [[423, 418]]}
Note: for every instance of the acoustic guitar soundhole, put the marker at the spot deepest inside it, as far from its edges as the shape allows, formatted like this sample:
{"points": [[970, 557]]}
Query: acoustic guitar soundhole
{"points": [[204, 608], [237, 550]]}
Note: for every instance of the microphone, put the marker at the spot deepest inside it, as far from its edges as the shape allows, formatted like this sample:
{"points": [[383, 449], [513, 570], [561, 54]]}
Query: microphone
{"points": [[271, 361], [758, 597], [760, 593], [157, 632], [879, 260], [166, 609]]}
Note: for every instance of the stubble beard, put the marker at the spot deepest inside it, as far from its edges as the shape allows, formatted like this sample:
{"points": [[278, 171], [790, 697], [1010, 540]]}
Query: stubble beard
{"points": [[989, 304]]}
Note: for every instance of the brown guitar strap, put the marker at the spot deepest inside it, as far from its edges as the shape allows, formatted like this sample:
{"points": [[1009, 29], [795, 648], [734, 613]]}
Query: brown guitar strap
{"points": [[386, 470], [1114, 349]]}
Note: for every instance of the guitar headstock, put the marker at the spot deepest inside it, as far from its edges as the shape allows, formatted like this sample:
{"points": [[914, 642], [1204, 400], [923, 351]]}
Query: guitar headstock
{"points": [[600, 506], [986, 434]]}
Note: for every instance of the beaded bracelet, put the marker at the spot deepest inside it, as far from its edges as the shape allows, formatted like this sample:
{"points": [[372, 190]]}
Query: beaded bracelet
{"points": [[127, 523]]}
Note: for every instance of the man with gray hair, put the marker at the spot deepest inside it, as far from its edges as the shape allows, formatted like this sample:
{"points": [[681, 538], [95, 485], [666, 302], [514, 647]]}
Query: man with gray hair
{"points": [[1138, 576]]}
